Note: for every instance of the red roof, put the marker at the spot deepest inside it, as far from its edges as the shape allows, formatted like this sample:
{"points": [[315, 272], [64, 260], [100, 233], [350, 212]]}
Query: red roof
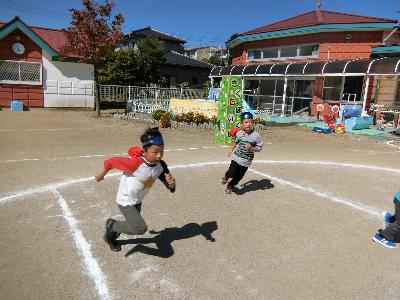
{"points": [[318, 17], [55, 38]]}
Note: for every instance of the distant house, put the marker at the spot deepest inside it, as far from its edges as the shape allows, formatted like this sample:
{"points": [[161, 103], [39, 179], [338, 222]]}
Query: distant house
{"points": [[318, 57], [30, 70], [205, 52], [177, 68]]}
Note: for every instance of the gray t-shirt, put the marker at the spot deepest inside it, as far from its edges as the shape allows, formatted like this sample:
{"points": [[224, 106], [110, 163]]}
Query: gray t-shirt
{"points": [[240, 154]]}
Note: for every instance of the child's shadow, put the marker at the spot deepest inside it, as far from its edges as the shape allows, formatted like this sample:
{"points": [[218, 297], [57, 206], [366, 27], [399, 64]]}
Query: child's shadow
{"points": [[165, 237], [254, 185]]}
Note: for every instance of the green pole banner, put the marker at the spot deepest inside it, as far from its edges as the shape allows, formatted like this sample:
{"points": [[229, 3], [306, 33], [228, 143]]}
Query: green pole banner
{"points": [[230, 107]]}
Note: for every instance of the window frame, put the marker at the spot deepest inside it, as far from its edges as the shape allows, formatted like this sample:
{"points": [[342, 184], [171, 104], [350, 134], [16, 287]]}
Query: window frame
{"points": [[279, 57], [24, 82]]}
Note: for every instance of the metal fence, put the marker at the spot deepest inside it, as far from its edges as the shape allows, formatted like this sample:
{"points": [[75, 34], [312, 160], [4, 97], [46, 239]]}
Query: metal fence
{"points": [[151, 95], [147, 99]]}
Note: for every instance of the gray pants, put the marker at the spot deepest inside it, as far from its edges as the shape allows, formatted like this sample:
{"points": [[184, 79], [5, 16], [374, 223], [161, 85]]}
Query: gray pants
{"points": [[392, 231], [134, 223]]}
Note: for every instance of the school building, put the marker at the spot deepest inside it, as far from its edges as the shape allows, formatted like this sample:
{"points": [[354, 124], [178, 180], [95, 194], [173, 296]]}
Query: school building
{"points": [[30, 70], [317, 57]]}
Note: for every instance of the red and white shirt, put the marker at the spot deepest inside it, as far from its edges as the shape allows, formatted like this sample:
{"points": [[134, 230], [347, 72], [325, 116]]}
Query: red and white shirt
{"points": [[138, 176]]}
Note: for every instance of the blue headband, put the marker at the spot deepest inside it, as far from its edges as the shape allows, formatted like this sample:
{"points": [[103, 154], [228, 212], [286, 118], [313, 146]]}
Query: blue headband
{"points": [[246, 115], [157, 140]]}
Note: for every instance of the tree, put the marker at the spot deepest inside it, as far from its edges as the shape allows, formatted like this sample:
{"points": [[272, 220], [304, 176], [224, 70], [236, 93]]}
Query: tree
{"points": [[131, 66], [121, 68], [150, 57], [216, 59], [93, 36]]}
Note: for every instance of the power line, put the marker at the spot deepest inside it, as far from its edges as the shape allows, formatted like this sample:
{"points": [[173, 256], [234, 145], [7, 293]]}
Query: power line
{"points": [[192, 39], [36, 8], [31, 10]]}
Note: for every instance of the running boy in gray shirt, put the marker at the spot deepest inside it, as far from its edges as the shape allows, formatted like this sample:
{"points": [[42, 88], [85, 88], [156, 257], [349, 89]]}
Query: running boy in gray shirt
{"points": [[247, 141]]}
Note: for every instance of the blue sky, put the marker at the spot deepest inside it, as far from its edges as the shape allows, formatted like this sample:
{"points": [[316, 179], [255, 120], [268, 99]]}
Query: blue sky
{"points": [[206, 22]]}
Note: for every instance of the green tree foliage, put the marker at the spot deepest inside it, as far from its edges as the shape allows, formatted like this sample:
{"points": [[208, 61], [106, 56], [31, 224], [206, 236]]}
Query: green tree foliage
{"points": [[150, 56], [216, 59], [92, 35], [139, 66], [121, 68]]}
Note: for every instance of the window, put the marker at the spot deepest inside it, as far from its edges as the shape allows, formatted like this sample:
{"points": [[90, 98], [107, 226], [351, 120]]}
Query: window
{"points": [[19, 72], [300, 51], [332, 88], [254, 54], [288, 52], [308, 50], [270, 53]]}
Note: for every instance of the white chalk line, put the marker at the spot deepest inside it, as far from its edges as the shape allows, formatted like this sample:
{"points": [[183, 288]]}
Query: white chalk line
{"points": [[47, 129], [98, 155], [83, 246], [329, 163], [354, 205], [390, 144], [58, 185]]}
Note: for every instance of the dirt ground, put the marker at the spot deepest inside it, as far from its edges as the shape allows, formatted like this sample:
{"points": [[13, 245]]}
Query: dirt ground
{"points": [[299, 226]]}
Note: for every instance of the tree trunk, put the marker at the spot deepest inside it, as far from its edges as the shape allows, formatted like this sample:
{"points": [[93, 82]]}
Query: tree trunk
{"points": [[97, 98]]}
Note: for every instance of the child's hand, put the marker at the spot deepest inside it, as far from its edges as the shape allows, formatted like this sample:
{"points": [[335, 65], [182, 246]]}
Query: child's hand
{"points": [[170, 180], [248, 147], [100, 175]]}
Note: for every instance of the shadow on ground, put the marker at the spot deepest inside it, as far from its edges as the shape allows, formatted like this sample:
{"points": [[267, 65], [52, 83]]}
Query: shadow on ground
{"points": [[165, 237], [253, 185]]}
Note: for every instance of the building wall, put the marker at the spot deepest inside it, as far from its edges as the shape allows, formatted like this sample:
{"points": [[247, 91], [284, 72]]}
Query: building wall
{"points": [[30, 95], [186, 74], [205, 53], [67, 84], [332, 45], [386, 90]]}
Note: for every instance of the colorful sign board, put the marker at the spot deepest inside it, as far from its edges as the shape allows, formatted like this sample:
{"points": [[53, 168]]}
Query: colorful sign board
{"points": [[230, 107]]}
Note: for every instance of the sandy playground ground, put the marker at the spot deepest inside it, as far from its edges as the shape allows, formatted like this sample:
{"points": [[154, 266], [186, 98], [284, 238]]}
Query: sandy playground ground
{"points": [[298, 227]]}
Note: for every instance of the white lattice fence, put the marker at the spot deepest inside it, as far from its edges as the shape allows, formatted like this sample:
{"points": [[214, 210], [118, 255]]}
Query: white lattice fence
{"points": [[20, 72]]}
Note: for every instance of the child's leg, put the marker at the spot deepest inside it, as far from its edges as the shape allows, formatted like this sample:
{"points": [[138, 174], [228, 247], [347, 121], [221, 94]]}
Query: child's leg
{"points": [[232, 170], [392, 231], [238, 175], [134, 223]]}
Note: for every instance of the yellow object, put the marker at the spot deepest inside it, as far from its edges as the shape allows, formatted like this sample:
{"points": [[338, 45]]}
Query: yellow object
{"points": [[339, 128], [208, 108]]}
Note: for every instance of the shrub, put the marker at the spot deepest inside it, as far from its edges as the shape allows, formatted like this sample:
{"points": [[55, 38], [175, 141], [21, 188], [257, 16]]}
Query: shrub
{"points": [[260, 121], [191, 117], [185, 85], [157, 114], [165, 120], [214, 119], [199, 118]]}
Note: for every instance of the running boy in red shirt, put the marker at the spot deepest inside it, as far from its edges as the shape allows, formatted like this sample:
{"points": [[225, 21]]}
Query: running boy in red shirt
{"points": [[140, 170]]}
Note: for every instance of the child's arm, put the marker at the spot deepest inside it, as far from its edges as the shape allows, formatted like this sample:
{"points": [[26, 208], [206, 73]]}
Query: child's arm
{"points": [[125, 164], [258, 147], [229, 153], [100, 175], [167, 178]]}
